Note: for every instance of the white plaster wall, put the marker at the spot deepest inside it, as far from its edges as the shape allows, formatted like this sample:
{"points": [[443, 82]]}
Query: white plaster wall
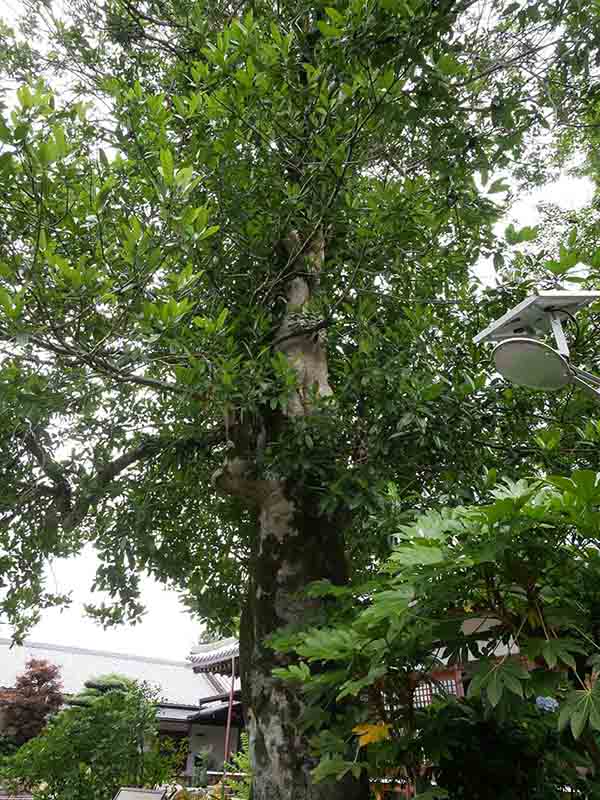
{"points": [[177, 682], [210, 737]]}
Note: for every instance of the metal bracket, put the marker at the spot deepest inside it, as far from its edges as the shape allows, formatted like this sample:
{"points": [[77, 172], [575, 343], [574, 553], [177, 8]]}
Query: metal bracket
{"points": [[559, 334], [586, 381]]}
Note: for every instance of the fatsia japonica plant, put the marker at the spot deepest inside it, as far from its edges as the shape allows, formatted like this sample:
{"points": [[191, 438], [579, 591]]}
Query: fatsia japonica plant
{"points": [[236, 299], [508, 591]]}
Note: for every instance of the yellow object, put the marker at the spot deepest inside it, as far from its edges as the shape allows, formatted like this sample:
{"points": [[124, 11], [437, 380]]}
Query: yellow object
{"points": [[372, 733]]}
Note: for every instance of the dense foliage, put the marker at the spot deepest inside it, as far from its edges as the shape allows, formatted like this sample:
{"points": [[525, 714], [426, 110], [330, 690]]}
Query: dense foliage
{"points": [[141, 270], [36, 695], [237, 301], [98, 686], [507, 590], [93, 750]]}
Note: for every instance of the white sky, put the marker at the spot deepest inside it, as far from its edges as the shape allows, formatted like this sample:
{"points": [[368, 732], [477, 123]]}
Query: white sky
{"points": [[167, 629], [567, 192]]}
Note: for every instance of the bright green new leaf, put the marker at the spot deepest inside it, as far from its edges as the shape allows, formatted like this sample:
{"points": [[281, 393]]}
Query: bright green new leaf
{"points": [[167, 167]]}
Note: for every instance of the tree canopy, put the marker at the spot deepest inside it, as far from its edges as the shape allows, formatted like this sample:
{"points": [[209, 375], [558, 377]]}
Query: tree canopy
{"points": [[26, 707], [237, 297], [98, 686], [146, 246]]}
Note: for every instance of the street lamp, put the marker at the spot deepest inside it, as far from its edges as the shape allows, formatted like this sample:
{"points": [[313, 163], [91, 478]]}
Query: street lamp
{"points": [[522, 357]]}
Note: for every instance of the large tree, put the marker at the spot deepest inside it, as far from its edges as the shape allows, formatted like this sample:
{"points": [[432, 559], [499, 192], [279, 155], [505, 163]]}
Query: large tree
{"points": [[235, 305]]}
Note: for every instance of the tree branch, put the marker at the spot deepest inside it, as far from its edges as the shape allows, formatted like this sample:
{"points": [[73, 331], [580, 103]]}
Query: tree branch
{"points": [[50, 468], [106, 474], [103, 367], [68, 511]]}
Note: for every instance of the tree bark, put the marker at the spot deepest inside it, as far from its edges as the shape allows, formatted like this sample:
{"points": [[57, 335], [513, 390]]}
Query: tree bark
{"points": [[294, 546]]}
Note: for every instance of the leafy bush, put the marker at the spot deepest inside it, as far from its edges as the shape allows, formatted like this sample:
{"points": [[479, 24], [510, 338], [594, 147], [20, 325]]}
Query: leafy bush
{"points": [[241, 788], [95, 687], [480, 757], [37, 695], [8, 745], [507, 590], [90, 751]]}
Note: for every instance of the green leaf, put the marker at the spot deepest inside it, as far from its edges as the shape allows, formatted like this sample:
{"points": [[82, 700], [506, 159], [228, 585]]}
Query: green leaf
{"points": [[328, 644], [334, 15], [448, 65], [294, 672], [564, 716], [352, 688], [59, 139], [25, 97], [328, 30], [332, 767], [183, 177], [5, 134], [167, 166], [561, 649], [498, 186], [579, 719], [387, 605], [595, 716], [416, 555], [526, 234], [581, 706], [6, 301], [494, 688], [220, 320], [556, 267], [207, 232]]}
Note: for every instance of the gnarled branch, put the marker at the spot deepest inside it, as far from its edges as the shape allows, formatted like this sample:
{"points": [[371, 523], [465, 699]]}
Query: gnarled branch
{"points": [[69, 511]]}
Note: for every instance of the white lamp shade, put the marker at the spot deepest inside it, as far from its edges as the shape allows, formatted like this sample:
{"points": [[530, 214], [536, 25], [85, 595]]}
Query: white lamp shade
{"points": [[529, 362]]}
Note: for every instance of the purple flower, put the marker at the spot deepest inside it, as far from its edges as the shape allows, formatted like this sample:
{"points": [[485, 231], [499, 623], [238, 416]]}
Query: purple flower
{"points": [[546, 704]]}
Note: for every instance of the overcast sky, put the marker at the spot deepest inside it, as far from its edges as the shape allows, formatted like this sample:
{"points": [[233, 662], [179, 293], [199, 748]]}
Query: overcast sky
{"points": [[167, 629]]}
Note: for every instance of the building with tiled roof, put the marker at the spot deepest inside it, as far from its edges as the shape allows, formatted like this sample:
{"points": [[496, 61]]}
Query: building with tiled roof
{"points": [[216, 658], [196, 695], [176, 680]]}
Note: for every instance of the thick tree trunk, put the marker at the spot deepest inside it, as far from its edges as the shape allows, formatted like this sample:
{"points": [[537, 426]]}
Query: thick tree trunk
{"points": [[295, 546]]}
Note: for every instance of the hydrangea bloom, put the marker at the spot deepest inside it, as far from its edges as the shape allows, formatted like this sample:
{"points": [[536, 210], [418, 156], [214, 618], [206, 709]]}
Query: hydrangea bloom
{"points": [[546, 703]]}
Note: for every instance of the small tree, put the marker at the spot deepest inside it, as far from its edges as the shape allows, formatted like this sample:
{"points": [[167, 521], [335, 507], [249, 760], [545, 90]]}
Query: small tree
{"points": [[90, 751], [36, 696], [98, 686]]}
